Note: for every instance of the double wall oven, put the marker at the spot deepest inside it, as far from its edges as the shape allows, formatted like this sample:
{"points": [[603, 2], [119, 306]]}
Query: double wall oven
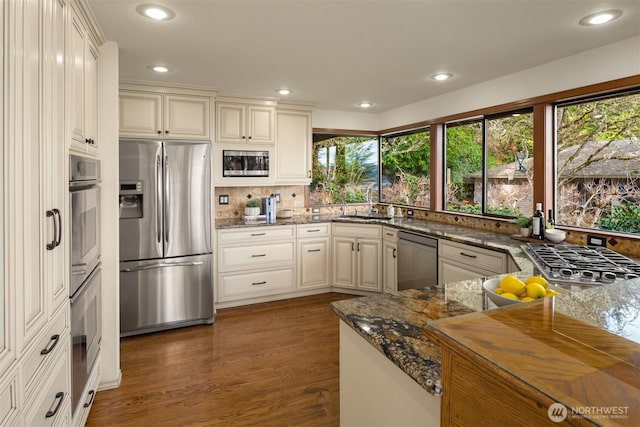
{"points": [[85, 283]]}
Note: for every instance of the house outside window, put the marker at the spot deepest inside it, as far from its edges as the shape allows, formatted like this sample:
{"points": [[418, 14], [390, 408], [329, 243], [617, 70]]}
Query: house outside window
{"points": [[598, 163], [406, 163], [343, 168]]}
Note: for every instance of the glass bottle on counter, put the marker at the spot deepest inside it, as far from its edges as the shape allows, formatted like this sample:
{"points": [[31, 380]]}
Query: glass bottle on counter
{"points": [[538, 223], [551, 222]]}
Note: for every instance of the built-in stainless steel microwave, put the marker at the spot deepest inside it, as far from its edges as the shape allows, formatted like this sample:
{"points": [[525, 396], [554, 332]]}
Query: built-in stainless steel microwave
{"points": [[243, 163]]}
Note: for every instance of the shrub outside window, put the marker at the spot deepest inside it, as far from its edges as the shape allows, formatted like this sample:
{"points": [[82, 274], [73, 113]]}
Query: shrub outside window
{"points": [[463, 157], [406, 162], [598, 163], [343, 167]]}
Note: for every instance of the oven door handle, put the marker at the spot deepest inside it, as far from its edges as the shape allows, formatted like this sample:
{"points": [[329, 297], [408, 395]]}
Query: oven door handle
{"points": [[86, 284], [161, 265]]}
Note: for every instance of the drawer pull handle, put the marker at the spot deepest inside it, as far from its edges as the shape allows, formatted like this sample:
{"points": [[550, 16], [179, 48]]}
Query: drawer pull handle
{"points": [[313, 250], [313, 231], [258, 255], [467, 255], [92, 395], [59, 398], [54, 341], [258, 283], [257, 234], [389, 234]]}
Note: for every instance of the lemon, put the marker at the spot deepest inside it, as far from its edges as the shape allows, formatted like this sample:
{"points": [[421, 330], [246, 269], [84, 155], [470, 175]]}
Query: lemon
{"points": [[536, 290], [509, 295], [551, 293], [498, 291], [537, 279], [526, 299], [511, 284]]}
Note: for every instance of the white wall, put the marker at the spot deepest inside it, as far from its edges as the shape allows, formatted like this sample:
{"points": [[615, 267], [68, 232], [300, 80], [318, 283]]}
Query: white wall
{"points": [[108, 118], [610, 62]]}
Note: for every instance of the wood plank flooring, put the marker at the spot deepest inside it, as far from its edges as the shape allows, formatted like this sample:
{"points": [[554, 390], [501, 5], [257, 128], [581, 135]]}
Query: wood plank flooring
{"points": [[271, 364]]}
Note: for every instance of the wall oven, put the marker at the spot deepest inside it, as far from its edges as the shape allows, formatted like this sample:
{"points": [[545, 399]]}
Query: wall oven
{"points": [[85, 280], [239, 163]]}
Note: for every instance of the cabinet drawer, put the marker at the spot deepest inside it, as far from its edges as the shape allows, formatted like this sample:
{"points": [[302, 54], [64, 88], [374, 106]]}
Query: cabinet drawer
{"points": [[255, 234], [356, 230], [50, 343], [241, 286], [247, 257], [8, 398], [53, 401], [486, 259], [390, 234], [314, 230]]}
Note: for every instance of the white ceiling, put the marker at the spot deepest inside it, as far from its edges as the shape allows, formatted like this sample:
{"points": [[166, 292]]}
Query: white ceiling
{"points": [[335, 54]]}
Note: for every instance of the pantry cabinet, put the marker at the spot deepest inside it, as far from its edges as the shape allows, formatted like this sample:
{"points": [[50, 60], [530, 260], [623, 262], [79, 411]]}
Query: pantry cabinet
{"points": [[293, 146], [458, 261], [356, 253], [245, 121], [148, 114], [83, 82]]}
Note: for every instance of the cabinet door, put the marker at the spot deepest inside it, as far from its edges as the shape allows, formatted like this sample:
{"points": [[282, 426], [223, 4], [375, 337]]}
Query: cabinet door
{"points": [[230, 119], [260, 124], [369, 265], [293, 147], [140, 115], [77, 53], [91, 98], [344, 262], [313, 267], [186, 117], [389, 267]]}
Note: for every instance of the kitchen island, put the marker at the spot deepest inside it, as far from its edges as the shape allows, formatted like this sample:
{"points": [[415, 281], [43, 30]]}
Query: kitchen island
{"points": [[579, 349]]}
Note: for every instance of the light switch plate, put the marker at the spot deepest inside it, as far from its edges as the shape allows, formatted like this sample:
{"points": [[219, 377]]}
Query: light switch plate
{"points": [[409, 212], [223, 199]]}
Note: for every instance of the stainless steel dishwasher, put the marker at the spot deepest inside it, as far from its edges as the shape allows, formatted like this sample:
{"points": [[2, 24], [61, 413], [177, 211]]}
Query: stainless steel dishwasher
{"points": [[417, 261]]}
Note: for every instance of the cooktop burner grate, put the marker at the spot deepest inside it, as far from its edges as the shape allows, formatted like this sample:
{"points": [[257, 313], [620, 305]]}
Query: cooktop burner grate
{"points": [[581, 264]]}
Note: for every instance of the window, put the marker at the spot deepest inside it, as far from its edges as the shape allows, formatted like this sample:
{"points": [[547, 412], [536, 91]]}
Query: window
{"points": [[598, 163], [406, 162], [343, 167], [489, 164]]}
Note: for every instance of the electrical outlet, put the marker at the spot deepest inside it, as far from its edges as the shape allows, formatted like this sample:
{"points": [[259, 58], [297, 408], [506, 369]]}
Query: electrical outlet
{"points": [[277, 197], [315, 210], [596, 241], [223, 199], [409, 212]]}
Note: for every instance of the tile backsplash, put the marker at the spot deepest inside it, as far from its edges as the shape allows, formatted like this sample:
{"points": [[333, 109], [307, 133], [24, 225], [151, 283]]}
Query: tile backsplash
{"points": [[291, 197]]}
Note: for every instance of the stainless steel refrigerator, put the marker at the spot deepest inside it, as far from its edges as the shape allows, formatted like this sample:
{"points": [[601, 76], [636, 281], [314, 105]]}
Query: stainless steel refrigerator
{"points": [[166, 276]]}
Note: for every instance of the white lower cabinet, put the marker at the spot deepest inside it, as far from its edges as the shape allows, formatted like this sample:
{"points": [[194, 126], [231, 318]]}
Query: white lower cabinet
{"points": [[9, 407], [389, 259], [356, 253], [81, 412], [457, 261], [51, 400], [314, 245]]}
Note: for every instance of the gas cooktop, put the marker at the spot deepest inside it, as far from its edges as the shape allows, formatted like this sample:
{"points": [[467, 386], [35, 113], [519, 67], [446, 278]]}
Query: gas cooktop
{"points": [[585, 265]]}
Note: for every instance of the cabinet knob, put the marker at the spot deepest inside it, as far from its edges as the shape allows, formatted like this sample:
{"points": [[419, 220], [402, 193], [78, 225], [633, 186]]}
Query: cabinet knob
{"points": [[249, 137], [244, 137], [166, 131], [159, 132]]}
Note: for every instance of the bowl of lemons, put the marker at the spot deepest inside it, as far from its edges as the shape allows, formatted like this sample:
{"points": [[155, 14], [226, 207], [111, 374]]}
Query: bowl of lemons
{"points": [[512, 290]]}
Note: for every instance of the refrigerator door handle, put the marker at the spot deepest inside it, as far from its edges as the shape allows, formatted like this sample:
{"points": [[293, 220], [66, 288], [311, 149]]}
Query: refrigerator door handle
{"points": [[167, 202], [161, 265], [159, 199]]}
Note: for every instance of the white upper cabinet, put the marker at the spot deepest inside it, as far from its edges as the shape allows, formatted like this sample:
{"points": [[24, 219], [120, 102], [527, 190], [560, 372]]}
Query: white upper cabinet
{"points": [[293, 146], [83, 81], [245, 122], [163, 115]]}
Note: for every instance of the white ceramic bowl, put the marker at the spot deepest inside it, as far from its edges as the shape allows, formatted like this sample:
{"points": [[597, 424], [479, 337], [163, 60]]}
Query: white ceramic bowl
{"points": [[491, 285], [555, 235]]}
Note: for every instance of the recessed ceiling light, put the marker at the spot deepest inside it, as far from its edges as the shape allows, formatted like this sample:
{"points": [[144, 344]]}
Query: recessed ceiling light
{"points": [[158, 68], [442, 76], [365, 104], [600, 18], [155, 12], [284, 91]]}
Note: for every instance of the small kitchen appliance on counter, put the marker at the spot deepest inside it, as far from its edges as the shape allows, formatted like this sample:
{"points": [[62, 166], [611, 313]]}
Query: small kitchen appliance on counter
{"points": [[581, 265], [269, 208]]}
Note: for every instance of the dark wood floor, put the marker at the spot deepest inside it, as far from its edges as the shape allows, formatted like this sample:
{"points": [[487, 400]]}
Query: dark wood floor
{"points": [[271, 364]]}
